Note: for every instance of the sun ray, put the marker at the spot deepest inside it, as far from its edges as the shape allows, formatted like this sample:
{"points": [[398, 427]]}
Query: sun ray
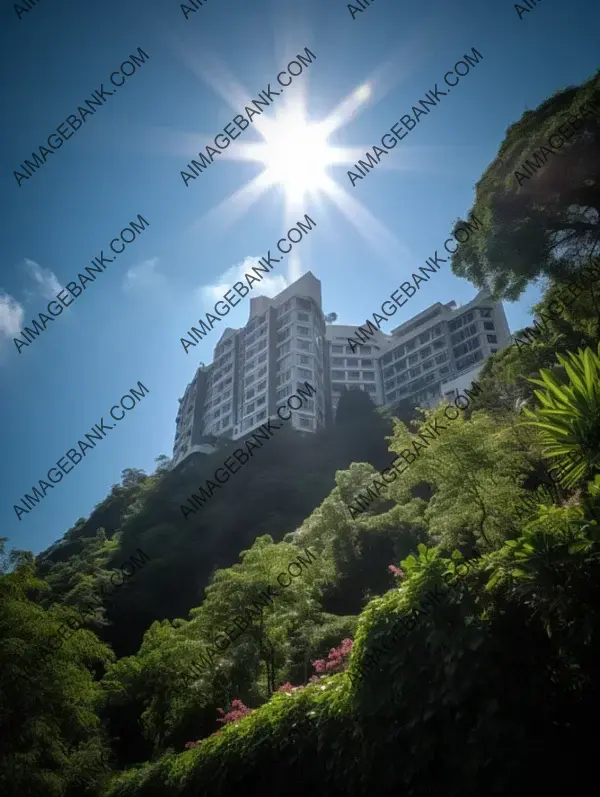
{"points": [[384, 242], [296, 156], [233, 207]]}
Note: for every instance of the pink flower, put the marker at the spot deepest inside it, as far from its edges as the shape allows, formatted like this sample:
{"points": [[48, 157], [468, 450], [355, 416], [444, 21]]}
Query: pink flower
{"points": [[237, 711], [337, 660], [396, 571], [287, 687]]}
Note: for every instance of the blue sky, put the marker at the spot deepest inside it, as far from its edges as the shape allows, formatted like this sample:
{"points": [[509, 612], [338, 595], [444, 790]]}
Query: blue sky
{"points": [[126, 160]]}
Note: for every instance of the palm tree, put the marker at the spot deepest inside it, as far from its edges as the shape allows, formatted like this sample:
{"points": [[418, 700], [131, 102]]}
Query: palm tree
{"points": [[569, 418]]}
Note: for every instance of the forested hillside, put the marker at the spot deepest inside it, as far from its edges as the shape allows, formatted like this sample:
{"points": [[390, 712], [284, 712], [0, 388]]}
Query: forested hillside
{"points": [[445, 640]]}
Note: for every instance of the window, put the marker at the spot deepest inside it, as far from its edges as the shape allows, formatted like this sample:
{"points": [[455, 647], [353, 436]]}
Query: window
{"points": [[488, 325], [428, 364], [337, 387], [262, 357], [349, 350], [338, 375], [464, 333], [337, 349], [284, 392], [369, 376], [414, 372], [439, 344], [387, 358], [303, 303], [281, 336], [262, 371], [261, 386], [366, 363], [287, 347], [485, 312], [366, 349], [410, 346], [226, 421], [444, 370], [249, 394], [426, 352], [304, 373], [304, 360], [492, 339], [465, 362], [306, 423], [389, 385], [352, 361], [305, 345], [303, 330], [261, 415], [469, 345], [441, 358], [353, 374], [302, 316], [425, 337], [336, 361], [371, 388], [249, 408], [414, 358], [260, 401]]}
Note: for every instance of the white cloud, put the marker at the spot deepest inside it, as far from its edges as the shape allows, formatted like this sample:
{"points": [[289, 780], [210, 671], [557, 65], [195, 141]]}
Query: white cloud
{"points": [[12, 312], [270, 285], [144, 276], [46, 280], [11, 316]]}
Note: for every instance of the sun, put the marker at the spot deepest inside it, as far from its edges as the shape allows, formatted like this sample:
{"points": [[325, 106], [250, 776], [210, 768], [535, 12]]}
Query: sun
{"points": [[296, 155]]}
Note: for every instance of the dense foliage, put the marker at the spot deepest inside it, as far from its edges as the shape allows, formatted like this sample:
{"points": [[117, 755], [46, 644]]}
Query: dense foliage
{"points": [[444, 640]]}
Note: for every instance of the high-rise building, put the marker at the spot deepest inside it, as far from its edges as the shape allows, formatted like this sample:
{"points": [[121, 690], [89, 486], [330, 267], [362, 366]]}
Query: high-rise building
{"points": [[354, 368], [256, 368], [442, 349], [286, 343]]}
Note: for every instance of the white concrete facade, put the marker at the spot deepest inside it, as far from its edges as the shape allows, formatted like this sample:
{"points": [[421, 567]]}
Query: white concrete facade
{"points": [[286, 343]]}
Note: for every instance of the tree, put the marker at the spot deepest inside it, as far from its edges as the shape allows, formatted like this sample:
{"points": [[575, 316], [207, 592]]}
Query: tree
{"points": [[132, 477], [548, 225], [49, 729]]}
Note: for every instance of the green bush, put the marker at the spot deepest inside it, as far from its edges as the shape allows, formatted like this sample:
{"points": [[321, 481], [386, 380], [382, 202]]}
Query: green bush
{"points": [[488, 692]]}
